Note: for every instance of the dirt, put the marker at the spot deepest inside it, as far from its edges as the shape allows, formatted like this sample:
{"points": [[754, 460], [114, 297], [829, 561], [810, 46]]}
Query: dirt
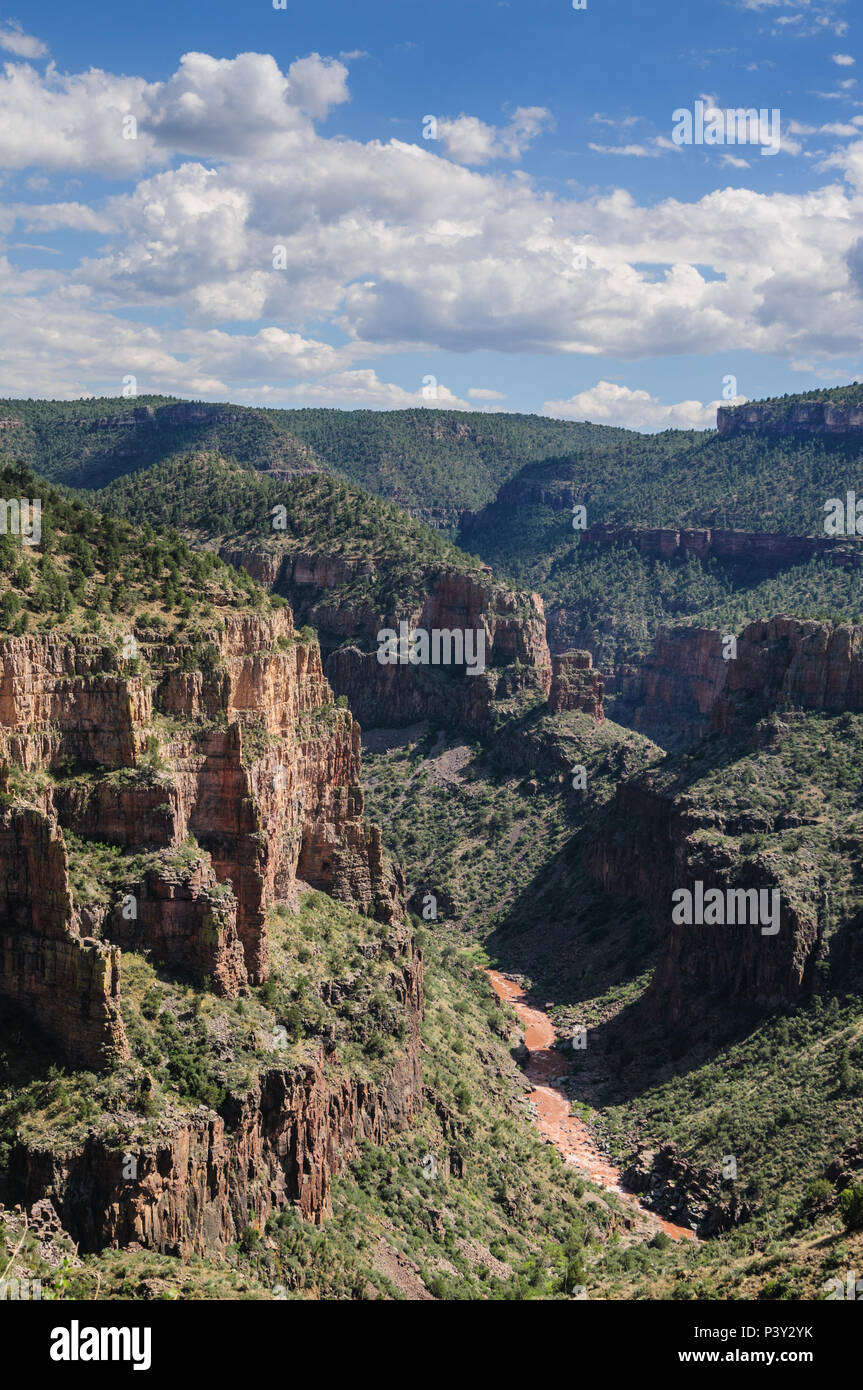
{"points": [[551, 1106]]}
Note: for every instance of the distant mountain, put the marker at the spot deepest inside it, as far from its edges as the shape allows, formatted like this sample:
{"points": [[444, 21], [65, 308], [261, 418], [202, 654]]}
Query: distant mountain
{"points": [[435, 463]]}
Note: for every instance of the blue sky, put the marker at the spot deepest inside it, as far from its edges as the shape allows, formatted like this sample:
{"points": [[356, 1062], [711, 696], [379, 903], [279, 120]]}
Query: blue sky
{"points": [[552, 250]]}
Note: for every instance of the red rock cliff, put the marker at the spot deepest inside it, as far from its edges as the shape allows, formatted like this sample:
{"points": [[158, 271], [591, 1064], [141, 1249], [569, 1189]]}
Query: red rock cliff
{"points": [[518, 664], [249, 754]]}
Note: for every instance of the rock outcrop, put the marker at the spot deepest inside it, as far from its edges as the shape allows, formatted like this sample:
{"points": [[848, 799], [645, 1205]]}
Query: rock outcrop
{"points": [[517, 661], [698, 1197], [243, 749], [785, 661], [208, 1176], [67, 981], [695, 681], [759, 552], [775, 418], [575, 685]]}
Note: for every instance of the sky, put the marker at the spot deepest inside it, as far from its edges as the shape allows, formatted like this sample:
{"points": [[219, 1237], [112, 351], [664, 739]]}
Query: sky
{"points": [[472, 204]]}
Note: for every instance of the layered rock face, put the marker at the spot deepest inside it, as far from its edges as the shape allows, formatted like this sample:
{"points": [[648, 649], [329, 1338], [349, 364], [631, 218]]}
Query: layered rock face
{"points": [[67, 981], [803, 417], [248, 754], [207, 1177], [670, 697], [575, 685], [758, 551], [688, 687], [786, 661], [651, 853], [512, 624]]}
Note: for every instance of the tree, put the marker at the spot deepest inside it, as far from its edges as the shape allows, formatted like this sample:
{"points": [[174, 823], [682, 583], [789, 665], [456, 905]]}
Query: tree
{"points": [[851, 1208]]}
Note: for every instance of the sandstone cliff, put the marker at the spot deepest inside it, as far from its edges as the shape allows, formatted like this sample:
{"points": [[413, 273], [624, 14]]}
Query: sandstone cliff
{"points": [[775, 418], [328, 593], [249, 755], [758, 552], [688, 687]]}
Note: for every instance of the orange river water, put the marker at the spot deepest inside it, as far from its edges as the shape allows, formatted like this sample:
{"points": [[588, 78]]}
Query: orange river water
{"points": [[553, 1118]]}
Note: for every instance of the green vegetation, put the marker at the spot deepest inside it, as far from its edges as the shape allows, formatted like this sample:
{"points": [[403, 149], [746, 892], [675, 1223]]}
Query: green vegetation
{"points": [[97, 575]]}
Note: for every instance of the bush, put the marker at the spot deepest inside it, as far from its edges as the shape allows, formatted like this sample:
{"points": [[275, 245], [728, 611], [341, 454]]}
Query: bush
{"points": [[851, 1208]]}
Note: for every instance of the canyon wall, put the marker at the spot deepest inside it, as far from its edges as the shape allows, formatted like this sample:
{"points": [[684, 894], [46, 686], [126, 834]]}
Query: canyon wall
{"points": [[774, 418], [655, 845], [657, 840], [758, 551], [517, 659], [207, 1177], [248, 754], [670, 696], [687, 688]]}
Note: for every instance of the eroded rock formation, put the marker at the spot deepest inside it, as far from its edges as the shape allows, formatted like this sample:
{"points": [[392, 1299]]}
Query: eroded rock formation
{"points": [[575, 685], [246, 752], [517, 660]]}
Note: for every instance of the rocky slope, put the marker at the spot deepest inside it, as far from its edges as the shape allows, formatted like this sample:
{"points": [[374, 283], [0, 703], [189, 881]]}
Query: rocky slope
{"points": [[662, 837], [206, 1177]]}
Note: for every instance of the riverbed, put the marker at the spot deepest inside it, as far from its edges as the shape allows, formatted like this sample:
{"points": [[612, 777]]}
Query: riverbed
{"points": [[552, 1112]]}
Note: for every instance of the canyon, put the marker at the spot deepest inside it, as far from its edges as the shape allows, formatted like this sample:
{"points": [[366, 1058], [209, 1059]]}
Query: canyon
{"points": [[518, 663]]}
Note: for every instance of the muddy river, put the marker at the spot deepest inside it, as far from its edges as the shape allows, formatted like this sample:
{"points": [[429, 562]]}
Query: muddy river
{"points": [[554, 1121]]}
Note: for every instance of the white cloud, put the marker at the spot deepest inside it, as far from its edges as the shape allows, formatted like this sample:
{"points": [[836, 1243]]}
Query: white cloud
{"points": [[482, 393], [14, 40], [363, 388], [608, 403], [842, 60], [121, 126], [471, 141], [636, 151], [387, 244]]}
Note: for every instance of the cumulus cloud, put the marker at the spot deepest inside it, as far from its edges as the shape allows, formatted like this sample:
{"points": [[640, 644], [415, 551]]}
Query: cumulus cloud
{"points": [[842, 60], [268, 225], [470, 141], [121, 126], [608, 403]]}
